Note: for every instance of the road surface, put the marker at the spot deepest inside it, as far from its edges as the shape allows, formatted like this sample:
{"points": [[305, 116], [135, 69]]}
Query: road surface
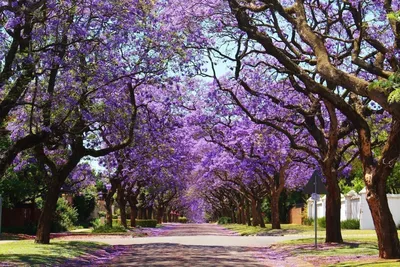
{"points": [[195, 245]]}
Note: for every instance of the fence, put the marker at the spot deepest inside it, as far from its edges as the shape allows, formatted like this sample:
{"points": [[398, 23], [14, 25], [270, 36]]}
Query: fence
{"points": [[20, 216], [355, 206]]}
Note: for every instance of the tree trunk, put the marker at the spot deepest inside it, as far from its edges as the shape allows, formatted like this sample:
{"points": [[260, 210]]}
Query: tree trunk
{"points": [[248, 217], [165, 217], [332, 212], [275, 220], [122, 207], [109, 202], [150, 212], [375, 178], [132, 204], [46, 217], [243, 215], [259, 213], [160, 213], [145, 212], [140, 213], [385, 227], [239, 214], [109, 215], [254, 214], [133, 215]]}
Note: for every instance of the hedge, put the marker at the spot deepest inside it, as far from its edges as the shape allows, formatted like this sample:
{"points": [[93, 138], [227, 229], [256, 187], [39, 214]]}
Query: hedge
{"points": [[224, 220], [322, 222], [182, 219], [146, 223], [350, 224]]}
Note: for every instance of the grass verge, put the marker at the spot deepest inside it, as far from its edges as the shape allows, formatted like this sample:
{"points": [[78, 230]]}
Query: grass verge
{"points": [[27, 252], [257, 230], [104, 229], [304, 230], [360, 247], [372, 263]]}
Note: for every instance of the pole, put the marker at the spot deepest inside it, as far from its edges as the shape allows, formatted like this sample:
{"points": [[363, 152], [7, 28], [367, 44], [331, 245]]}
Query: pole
{"points": [[315, 210]]}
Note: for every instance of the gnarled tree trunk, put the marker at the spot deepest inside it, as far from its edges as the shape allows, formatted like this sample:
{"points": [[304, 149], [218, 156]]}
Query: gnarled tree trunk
{"points": [[122, 205], [46, 217], [385, 226], [108, 205], [254, 214], [375, 177]]}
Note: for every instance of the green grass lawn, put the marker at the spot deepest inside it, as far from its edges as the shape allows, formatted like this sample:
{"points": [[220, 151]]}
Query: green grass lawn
{"points": [[364, 246], [26, 252], [357, 242], [286, 229], [304, 230]]}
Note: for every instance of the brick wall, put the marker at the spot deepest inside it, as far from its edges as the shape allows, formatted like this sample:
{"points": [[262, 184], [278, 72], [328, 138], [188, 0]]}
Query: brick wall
{"points": [[295, 215]]}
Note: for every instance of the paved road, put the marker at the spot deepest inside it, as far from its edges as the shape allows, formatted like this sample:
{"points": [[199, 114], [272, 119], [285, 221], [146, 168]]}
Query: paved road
{"points": [[163, 254], [194, 245], [194, 235]]}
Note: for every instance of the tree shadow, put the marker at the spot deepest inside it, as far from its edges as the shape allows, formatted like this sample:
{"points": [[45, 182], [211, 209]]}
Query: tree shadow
{"points": [[10, 236], [49, 255], [170, 254], [28, 260]]}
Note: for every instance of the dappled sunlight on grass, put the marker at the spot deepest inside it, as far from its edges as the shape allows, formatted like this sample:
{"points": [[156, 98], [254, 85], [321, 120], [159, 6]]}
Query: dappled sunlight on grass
{"points": [[359, 249], [27, 252], [307, 247]]}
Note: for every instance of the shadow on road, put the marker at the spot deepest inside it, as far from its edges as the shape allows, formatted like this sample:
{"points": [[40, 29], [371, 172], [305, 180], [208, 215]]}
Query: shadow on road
{"points": [[165, 254]]}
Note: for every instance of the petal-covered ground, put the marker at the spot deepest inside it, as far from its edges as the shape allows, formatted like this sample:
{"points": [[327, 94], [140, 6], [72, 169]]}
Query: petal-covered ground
{"points": [[180, 247]]}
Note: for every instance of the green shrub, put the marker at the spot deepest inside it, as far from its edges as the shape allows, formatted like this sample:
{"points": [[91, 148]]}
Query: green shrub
{"points": [[146, 223], [106, 229], [308, 221], [224, 220], [85, 205], [350, 224], [96, 223], [322, 222], [182, 219], [65, 217]]}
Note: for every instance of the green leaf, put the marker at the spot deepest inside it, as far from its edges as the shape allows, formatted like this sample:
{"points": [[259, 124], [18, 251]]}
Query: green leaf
{"points": [[394, 97]]}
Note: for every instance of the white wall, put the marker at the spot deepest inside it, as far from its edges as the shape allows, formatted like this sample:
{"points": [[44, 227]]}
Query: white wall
{"points": [[355, 206], [366, 221]]}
